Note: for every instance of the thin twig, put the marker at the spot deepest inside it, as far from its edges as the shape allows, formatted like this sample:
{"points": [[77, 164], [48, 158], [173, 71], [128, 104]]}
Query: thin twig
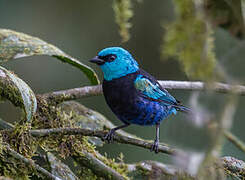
{"points": [[87, 91], [31, 163], [201, 86], [72, 94], [235, 140], [5, 125], [100, 134]]}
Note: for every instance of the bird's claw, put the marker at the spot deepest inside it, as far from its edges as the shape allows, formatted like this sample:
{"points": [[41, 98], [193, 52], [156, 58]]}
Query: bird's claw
{"points": [[109, 136], [155, 146]]}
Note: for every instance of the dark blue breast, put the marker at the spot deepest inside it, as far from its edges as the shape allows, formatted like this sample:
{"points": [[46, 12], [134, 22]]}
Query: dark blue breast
{"points": [[127, 103]]}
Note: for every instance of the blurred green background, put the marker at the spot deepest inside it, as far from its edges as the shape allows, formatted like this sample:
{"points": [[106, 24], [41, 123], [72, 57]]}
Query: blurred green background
{"points": [[82, 28]]}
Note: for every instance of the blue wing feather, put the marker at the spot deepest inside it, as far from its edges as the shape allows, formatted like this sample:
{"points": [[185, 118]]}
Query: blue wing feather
{"points": [[153, 90]]}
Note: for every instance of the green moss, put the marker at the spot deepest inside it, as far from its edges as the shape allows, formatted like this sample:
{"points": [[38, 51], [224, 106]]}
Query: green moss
{"points": [[18, 92], [49, 116], [9, 91], [53, 117], [142, 171], [189, 38], [10, 167], [86, 174], [123, 12], [120, 166], [20, 141], [69, 145]]}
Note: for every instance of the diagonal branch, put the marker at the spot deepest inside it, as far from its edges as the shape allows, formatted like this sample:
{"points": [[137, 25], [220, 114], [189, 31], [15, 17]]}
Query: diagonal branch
{"points": [[90, 161], [31, 163], [100, 134], [235, 140], [87, 91]]}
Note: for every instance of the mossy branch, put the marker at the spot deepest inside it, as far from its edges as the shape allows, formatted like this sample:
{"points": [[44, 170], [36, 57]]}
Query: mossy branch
{"points": [[120, 138], [89, 160], [98, 166], [141, 168], [100, 134], [227, 162], [87, 91], [123, 138], [31, 163]]}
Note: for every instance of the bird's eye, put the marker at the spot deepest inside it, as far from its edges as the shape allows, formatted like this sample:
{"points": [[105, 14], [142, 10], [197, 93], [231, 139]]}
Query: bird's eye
{"points": [[111, 57]]}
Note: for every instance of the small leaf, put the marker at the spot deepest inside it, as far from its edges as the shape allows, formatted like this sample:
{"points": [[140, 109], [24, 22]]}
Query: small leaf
{"points": [[15, 45], [18, 92]]}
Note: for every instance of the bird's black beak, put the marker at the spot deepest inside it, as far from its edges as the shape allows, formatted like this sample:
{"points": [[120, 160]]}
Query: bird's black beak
{"points": [[97, 60]]}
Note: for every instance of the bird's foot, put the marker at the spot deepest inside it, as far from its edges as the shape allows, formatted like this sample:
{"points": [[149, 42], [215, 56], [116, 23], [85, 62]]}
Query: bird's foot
{"points": [[155, 146], [109, 136]]}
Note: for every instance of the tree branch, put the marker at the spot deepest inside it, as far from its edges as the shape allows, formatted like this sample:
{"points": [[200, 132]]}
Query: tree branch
{"points": [[71, 94], [5, 125], [87, 91], [60, 96], [158, 170], [97, 166], [31, 163], [232, 165], [100, 134], [235, 140]]}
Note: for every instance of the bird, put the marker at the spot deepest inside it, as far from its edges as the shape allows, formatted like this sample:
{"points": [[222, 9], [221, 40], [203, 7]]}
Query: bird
{"points": [[132, 94]]}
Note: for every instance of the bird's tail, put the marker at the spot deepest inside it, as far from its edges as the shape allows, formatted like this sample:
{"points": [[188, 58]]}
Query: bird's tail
{"points": [[184, 109]]}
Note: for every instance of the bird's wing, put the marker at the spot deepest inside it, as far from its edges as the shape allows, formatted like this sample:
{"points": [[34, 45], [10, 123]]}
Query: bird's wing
{"points": [[152, 90]]}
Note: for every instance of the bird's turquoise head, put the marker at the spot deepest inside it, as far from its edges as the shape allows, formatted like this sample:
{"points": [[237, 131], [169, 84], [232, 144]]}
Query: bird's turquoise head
{"points": [[115, 62]]}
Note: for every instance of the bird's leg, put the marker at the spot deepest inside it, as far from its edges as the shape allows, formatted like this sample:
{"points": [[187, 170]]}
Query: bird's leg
{"points": [[155, 145], [109, 136]]}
